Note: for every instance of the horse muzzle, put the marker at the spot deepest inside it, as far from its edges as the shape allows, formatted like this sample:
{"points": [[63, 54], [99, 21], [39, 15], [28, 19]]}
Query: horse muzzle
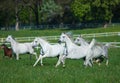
{"points": [[59, 42]]}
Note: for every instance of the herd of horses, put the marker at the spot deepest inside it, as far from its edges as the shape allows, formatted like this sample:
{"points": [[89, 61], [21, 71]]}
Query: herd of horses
{"points": [[65, 48]]}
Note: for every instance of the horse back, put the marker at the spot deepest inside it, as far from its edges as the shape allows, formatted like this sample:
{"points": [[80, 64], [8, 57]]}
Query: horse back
{"points": [[23, 48]]}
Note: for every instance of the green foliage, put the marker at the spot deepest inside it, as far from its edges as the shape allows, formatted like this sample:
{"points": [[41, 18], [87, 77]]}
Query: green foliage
{"points": [[26, 16], [33, 11], [94, 9], [49, 9], [81, 8], [6, 13]]}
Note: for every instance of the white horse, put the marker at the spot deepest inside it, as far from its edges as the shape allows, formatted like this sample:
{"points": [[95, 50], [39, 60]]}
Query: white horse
{"points": [[74, 51], [47, 49], [98, 50], [20, 48]]}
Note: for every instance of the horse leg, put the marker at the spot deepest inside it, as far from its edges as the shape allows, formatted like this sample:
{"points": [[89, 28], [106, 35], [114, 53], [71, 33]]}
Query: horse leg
{"points": [[37, 61], [4, 56], [30, 56], [107, 61], [41, 61], [17, 56], [59, 61], [34, 53], [63, 60], [106, 57], [87, 62]]}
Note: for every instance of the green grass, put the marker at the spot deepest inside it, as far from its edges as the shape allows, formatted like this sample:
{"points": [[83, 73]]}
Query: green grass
{"points": [[29, 33], [22, 71]]}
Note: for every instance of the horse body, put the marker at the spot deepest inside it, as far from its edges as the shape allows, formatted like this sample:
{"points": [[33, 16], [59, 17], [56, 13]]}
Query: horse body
{"points": [[74, 51], [47, 49], [98, 50], [20, 48], [26, 47], [7, 51]]}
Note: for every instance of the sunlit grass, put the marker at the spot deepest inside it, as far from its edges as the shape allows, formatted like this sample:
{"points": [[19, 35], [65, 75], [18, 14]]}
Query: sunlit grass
{"points": [[51, 32], [13, 71], [22, 71]]}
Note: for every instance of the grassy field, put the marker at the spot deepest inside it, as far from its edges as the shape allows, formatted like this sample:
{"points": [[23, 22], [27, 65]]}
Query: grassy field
{"points": [[13, 71], [52, 32]]}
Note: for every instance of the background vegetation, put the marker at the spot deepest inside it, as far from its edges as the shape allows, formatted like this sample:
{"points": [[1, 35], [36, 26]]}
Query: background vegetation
{"points": [[17, 13]]}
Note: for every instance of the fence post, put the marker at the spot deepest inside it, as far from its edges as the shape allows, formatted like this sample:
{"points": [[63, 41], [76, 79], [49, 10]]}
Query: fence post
{"points": [[119, 34]]}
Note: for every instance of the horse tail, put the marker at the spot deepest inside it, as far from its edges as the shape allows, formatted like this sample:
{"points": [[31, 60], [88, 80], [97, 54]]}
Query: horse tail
{"points": [[92, 43], [107, 44]]}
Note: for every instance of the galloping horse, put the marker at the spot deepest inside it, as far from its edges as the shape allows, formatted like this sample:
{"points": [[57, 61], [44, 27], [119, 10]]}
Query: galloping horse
{"points": [[47, 50], [20, 48], [7, 51], [74, 51], [98, 50]]}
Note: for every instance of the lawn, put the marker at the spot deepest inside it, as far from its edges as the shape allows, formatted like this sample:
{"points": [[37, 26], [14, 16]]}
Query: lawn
{"points": [[13, 71], [22, 71], [54, 32]]}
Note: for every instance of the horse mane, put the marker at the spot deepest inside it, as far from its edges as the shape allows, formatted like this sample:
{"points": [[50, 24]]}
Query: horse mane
{"points": [[3, 44], [13, 38], [44, 39], [70, 35]]}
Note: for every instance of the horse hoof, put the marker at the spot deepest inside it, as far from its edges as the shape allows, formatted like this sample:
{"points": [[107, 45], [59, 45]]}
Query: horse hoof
{"points": [[63, 66], [55, 66], [33, 65]]}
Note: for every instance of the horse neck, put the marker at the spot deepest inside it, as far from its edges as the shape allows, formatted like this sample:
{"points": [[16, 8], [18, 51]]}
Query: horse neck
{"points": [[83, 42], [5, 48], [68, 42], [13, 42], [43, 43]]}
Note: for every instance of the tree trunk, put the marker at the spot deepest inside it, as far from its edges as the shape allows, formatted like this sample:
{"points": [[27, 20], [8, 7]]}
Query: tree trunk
{"points": [[17, 18], [37, 13], [17, 25], [110, 21]]}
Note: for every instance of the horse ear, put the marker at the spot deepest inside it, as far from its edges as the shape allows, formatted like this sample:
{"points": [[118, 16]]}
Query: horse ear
{"points": [[62, 33], [80, 35], [37, 37], [13, 37], [70, 34]]}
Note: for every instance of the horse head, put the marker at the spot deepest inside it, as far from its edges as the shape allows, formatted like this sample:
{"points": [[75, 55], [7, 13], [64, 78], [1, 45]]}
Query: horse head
{"points": [[62, 38], [81, 41], [78, 40], [3, 46], [35, 42], [9, 38]]}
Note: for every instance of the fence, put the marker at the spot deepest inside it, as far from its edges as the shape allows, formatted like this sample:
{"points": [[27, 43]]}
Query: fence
{"points": [[29, 39], [62, 26]]}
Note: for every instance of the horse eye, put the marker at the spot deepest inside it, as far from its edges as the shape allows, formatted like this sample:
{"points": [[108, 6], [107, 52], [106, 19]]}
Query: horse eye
{"points": [[35, 41], [63, 36], [77, 39]]}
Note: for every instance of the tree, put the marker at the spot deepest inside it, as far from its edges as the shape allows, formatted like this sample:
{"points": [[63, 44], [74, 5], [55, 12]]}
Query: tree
{"points": [[49, 9], [87, 10], [34, 5], [81, 9], [6, 13]]}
